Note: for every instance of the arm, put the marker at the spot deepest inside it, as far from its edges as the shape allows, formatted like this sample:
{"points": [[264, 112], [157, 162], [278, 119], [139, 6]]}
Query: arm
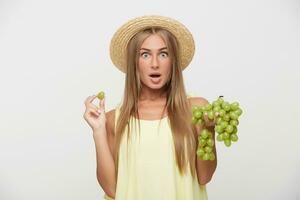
{"points": [[205, 169], [105, 162]]}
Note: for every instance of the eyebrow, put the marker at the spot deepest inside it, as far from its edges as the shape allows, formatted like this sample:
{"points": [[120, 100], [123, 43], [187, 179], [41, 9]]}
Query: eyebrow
{"points": [[150, 50]]}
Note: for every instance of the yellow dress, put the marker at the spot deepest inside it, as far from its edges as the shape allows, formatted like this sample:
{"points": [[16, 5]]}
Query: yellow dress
{"points": [[148, 171]]}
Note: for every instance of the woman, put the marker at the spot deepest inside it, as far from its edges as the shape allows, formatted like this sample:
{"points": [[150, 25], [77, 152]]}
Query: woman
{"points": [[156, 159]]}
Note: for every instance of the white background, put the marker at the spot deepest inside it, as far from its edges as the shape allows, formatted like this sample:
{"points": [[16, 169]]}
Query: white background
{"points": [[54, 54]]}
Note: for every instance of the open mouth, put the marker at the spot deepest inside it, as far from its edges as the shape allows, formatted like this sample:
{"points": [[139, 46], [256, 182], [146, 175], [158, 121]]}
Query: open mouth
{"points": [[155, 75]]}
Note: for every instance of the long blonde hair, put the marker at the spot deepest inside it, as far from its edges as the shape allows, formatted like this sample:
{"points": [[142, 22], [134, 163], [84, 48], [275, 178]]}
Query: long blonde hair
{"points": [[177, 104]]}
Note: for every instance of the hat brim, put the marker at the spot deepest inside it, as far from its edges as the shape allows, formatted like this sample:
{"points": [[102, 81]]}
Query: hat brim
{"points": [[122, 36]]}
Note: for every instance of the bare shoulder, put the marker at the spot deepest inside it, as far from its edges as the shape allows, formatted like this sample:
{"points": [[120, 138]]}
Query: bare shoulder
{"points": [[199, 101]]}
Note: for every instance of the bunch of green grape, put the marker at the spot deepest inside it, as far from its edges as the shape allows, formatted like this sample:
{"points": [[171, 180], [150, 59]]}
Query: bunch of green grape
{"points": [[205, 145], [226, 122]]}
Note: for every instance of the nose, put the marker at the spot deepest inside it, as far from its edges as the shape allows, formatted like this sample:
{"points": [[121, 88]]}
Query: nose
{"points": [[154, 62]]}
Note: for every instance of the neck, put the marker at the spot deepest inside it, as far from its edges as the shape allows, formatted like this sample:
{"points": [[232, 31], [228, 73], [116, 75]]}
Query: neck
{"points": [[152, 95]]}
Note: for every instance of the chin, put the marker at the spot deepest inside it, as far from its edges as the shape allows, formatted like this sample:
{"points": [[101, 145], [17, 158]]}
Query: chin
{"points": [[156, 86]]}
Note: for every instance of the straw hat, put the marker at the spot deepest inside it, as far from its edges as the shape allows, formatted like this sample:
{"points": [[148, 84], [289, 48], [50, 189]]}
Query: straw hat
{"points": [[120, 39]]}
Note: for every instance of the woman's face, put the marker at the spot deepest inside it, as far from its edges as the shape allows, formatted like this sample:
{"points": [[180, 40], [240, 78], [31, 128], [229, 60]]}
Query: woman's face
{"points": [[154, 62]]}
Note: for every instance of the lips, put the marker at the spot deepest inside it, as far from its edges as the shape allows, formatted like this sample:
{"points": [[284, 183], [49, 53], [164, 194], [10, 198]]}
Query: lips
{"points": [[155, 75]]}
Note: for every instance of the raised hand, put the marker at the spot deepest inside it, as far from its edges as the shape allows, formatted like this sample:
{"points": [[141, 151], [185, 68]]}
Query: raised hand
{"points": [[95, 116]]}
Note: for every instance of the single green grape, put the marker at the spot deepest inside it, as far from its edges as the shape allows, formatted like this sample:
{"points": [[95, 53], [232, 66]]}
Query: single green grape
{"points": [[217, 108], [207, 107], [194, 120], [101, 95], [218, 129], [223, 124], [204, 134], [198, 114], [202, 108], [222, 112], [220, 137], [227, 142], [216, 103], [212, 156], [208, 149], [234, 137], [226, 106], [202, 142], [200, 152], [233, 115], [199, 122], [226, 117], [206, 156], [233, 122], [234, 130], [239, 111], [219, 120], [210, 142], [229, 128], [225, 135], [210, 115], [234, 106]]}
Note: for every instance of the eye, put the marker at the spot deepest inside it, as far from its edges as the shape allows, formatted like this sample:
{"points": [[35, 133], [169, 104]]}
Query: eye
{"points": [[164, 54], [144, 53]]}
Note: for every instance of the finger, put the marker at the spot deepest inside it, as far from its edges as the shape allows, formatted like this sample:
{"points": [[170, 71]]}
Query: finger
{"points": [[207, 121], [92, 106], [102, 104], [217, 114], [90, 99], [95, 111], [206, 117], [86, 100], [216, 117]]}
